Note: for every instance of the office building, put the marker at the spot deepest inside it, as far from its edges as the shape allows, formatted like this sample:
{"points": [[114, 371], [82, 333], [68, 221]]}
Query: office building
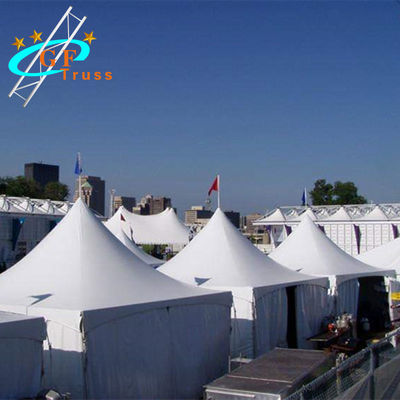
{"points": [[42, 173], [150, 205], [197, 215], [128, 202], [93, 192]]}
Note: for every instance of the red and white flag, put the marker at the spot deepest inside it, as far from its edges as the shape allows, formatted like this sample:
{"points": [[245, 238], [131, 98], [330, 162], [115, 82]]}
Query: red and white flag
{"points": [[214, 186]]}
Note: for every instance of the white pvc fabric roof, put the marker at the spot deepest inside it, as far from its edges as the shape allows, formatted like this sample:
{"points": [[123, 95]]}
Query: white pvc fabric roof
{"points": [[385, 256], [309, 250], [162, 228], [220, 256]]}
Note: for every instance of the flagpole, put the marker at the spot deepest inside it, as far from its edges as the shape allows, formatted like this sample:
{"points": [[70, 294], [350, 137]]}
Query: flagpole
{"points": [[219, 191], [79, 177]]}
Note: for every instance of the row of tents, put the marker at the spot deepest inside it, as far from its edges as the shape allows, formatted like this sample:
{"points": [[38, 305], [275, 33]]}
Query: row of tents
{"points": [[116, 327]]}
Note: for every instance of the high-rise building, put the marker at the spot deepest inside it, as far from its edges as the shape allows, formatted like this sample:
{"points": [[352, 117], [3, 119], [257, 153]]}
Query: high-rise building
{"points": [[128, 202], [42, 173], [150, 205], [159, 204], [93, 192], [197, 215]]}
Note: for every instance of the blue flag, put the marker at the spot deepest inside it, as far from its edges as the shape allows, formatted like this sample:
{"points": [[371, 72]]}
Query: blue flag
{"points": [[78, 166], [304, 197]]}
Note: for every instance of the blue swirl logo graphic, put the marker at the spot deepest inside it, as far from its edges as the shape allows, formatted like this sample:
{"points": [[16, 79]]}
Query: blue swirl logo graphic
{"points": [[14, 62]]}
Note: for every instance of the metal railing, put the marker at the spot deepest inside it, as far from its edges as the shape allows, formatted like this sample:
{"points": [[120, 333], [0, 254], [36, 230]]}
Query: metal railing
{"points": [[351, 371]]}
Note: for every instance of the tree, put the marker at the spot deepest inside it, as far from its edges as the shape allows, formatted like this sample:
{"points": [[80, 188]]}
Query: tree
{"points": [[20, 186], [347, 193], [3, 184], [56, 191], [340, 193], [322, 193]]}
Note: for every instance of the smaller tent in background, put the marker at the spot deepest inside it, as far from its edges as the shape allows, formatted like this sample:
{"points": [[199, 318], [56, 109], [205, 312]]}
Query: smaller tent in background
{"points": [[273, 305], [116, 225], [162, 228], [340, 215], [307, 213], [376, 214], [21, 355], [309, 250], [386, 256]]}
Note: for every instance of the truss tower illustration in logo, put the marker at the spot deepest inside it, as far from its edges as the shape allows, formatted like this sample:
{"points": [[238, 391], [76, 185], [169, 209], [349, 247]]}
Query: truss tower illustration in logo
{"points": [[64, 44]]}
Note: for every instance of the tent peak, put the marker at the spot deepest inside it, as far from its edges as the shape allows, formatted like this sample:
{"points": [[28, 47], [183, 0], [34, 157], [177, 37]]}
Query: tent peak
{"points": [[308, 248], [220, 256]]}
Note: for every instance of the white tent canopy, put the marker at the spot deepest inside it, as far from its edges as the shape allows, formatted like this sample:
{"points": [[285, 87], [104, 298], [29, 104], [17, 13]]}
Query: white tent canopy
{"points": [[385, 256], [221, 257], [21, 355], [116, 328], [340, 215], [276, 216], [163, 228], [309, 250], [375, 215], [308, 213], [115, 226]]}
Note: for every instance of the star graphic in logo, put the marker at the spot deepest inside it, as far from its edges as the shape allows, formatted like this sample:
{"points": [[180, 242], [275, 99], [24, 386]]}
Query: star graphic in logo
{"points": [[18, 43], [89, 37], [36, 36]]}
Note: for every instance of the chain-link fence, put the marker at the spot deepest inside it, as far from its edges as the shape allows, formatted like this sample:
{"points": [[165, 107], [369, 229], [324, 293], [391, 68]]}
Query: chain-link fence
{"points": [[354, 372]]}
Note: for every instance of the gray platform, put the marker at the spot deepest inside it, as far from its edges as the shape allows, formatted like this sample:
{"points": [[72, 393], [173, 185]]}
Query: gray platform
{"points": [[272, 376]]}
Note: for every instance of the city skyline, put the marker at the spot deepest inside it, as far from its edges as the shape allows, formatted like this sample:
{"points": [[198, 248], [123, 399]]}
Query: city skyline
{"points": [[271, 95]]}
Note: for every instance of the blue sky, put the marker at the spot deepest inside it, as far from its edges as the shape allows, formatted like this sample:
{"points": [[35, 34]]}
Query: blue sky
{"points": [[272, 95]]}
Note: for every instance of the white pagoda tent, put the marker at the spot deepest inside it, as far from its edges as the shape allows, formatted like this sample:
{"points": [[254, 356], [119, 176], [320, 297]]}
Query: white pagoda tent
{"points": [[375, 215], [386, 256], [220, 257], [309, 250], [116, 225], [340, 215], [116, 328], [307, 213], [162, 228], [275, 216], [21, 355]]}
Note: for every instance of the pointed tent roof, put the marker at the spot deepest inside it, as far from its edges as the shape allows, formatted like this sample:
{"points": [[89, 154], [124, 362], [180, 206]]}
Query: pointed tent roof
{"points": [[275, 216], [309, 250], [220, 256], [162, 228], [308, 213], [385, 256], [374, 215], [81, 266], [114, 225], [340, 215]]}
